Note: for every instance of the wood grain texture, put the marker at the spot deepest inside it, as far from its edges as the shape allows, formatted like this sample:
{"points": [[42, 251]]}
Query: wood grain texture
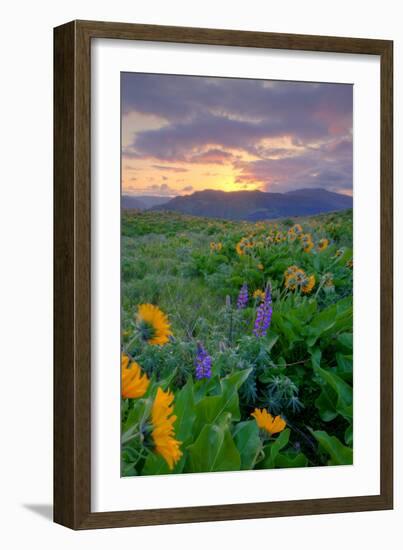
{"points": [[72, 274]]}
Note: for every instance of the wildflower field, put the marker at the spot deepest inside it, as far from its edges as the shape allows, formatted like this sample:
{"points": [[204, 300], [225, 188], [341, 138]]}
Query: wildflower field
{"points": [[236, 343]]}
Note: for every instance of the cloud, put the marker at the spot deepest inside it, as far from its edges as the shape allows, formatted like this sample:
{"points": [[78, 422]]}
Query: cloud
{"points": [[212, 156], [155, 189], [311, 168], [293, 133], [169, 168]]}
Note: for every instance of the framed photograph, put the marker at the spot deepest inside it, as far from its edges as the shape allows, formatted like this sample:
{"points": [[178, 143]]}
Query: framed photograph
{"points": [[222, 274]]}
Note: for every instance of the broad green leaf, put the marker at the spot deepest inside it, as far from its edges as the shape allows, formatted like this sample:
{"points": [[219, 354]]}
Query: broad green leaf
{"points": [[155, 465], [343, 391], [270, 341], [325, 404], [316, 356], [348, 436], [214, 451], [185, 413], [137, 414], [128, 470], [247, 440], [321, 323], [339, 453], [346, 340], [272, 449], [211, 408], [285, 460]]}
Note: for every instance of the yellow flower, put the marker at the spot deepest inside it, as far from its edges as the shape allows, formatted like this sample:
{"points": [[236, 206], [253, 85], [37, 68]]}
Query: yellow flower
{"points": [[307, 243], [260, 267], [153, 324], [243, 244], [218, 246], [323, 244], [163, 432], [259, 294], [350, 263], [294, 277], [212, 246], [265, 421], [290, 270], [134, 382], [239, 248], [308, 285], [297, 229]]}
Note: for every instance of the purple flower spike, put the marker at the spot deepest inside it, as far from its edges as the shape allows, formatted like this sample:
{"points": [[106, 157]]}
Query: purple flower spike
{"points": [[243, 297], [263, 316], [202, 363]]}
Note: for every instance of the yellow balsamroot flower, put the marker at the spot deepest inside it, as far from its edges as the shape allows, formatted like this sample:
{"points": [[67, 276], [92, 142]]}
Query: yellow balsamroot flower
{"points": [[259, 294], [239, 248], [153, 325], [307, 243], [294, 277], [350, 263], [243, 244], [163, 432], [134, 382], [215, 246], [297, 228], [323, 244], [260, 267], [290, 270], [308, 284], [265, 421]]}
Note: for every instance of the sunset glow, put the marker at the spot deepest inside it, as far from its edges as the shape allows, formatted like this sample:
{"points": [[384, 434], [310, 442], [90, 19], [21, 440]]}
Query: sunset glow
{"points": [[182, 134]]}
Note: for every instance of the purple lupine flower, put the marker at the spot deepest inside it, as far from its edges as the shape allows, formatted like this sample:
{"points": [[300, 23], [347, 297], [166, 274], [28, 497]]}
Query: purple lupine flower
{"points": [[263, 316], [202, 363], [243, 297]]}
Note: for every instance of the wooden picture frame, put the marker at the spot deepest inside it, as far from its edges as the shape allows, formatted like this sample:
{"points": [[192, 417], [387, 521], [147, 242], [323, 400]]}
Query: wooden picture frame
{"points": [[72, 273]]}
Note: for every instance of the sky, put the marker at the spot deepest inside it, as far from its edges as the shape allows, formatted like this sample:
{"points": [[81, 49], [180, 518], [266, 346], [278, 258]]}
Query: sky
{"points": [[182, 134]]}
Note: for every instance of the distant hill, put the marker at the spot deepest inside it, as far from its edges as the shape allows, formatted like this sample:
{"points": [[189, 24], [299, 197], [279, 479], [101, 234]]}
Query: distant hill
{"points": [[256, 205], [142, 202]]}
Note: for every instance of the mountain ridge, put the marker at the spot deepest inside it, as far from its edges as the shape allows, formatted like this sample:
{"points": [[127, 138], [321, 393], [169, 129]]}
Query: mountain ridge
{"points": [[257, 205]]}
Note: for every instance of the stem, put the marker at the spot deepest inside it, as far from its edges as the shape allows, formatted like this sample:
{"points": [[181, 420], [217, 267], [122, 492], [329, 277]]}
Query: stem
{"points": [[134, 339]]}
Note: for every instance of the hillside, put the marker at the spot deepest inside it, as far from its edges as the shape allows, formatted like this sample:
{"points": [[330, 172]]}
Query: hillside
{"points": [[142, 202], [257, 205]]}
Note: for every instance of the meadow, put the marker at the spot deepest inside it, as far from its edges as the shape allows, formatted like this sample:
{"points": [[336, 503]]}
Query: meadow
{"points": [[237, 346]]}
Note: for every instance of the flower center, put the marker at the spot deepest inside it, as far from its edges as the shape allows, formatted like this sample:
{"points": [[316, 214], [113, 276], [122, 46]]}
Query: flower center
{"points": [[146, 330]]}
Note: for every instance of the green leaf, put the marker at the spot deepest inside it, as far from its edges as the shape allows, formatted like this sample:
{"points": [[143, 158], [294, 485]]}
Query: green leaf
{"points": [[285, 460], [325, 404], [214, 451], [343, 391], [270, 341], [155, 465], [212, 408], [348, 436], [272, 449], [339, 453], [247, 440], [185, 413], [136, 414], [346, 340], [321, 323]]}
